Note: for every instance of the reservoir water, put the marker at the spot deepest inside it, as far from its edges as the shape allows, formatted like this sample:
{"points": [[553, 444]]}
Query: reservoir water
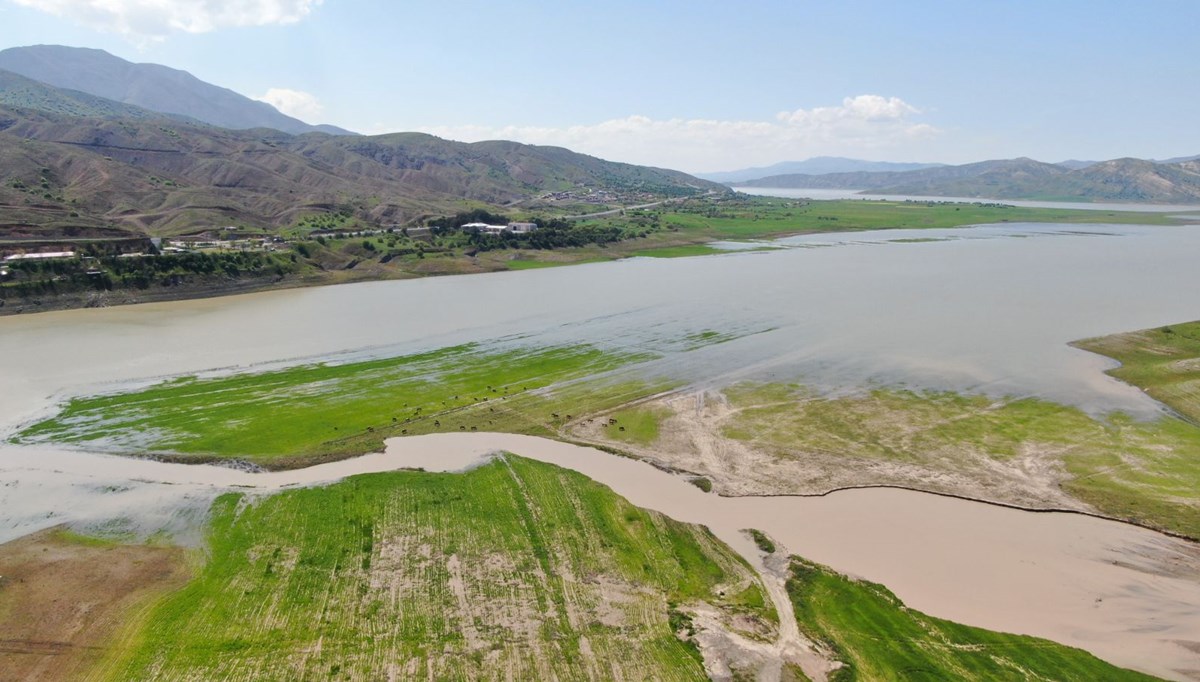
{"points": [[1190, 210], [987, 309]]}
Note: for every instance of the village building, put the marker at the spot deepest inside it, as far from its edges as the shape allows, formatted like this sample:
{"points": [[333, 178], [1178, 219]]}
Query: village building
{"points": [[39, 256], [511, 228], [484, 228]]}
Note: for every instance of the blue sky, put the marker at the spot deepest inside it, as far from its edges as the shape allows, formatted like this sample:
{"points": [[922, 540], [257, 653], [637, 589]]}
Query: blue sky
{"points": [[695, 86]]}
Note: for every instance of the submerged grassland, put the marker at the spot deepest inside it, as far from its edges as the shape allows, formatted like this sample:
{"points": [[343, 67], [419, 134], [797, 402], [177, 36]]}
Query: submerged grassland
{"points": [[876, 637], [301, 415], [684, 228], [746, 217], [513, 570]]}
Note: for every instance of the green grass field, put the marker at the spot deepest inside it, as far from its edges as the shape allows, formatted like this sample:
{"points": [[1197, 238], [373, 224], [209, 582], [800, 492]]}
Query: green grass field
{"points": [[1164, 362], [759, 217], [1146, 472], [515, 569], [635, 425], [879, 639], [686, 251], [299, 415]]}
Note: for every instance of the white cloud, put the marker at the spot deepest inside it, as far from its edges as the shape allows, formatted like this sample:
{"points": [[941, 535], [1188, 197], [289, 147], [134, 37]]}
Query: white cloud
{"points": [[155, 19], [295, 103], [863, 125]]}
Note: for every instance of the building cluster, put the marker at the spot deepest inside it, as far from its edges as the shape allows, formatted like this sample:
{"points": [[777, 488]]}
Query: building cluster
{"points": [[511, 228]]}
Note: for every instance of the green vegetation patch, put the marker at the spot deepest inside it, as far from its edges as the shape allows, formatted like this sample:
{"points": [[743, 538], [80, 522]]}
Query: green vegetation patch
{"points": [[515, 566], [876, 637], [303, 414], [1164, 362], [635, 425], [685, 251], [1147, 472], [762, 540], [744, 217]]}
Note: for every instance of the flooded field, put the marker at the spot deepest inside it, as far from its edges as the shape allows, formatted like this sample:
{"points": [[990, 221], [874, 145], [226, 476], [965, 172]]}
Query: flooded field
{"points": [[983, 309], [987, 310]]}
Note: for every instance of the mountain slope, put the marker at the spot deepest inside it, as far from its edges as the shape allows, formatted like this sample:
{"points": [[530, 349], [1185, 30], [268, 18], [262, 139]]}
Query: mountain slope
{"points": [[818, 165], [151, 86], [1116, 180], [18, 91], [165, 176]]}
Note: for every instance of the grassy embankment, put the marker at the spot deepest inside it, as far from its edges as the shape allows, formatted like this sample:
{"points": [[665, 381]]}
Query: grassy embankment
{"points": [[1145, 472], [300, 415], [1165, 363], [515, 568], [877, 638]]}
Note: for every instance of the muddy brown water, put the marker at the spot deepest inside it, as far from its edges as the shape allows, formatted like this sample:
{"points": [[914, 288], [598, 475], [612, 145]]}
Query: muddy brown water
{"points": [[987, 309], [1128, 595]]}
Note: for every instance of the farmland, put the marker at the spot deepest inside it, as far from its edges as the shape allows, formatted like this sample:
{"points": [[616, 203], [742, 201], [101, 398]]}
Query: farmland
{"points": [[516, 568]]}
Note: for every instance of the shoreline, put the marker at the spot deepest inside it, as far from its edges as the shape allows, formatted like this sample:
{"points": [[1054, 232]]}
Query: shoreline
{"points": [[479, 263], [973, 562]]}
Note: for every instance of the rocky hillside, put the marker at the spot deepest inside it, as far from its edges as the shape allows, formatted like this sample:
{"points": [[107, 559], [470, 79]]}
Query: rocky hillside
{"points": [[63, 175]]}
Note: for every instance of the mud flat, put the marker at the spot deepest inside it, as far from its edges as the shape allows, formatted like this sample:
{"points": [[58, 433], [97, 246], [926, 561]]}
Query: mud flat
{"points": [[64, 600], [1128, 595]]}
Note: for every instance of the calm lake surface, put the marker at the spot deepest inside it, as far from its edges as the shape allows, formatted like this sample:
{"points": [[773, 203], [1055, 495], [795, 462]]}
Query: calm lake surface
{"points": [[985, 309], [824, 194]]}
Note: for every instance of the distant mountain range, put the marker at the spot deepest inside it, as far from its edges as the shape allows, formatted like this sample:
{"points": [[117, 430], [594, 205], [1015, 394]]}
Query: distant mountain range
{"points": [[1129, 180], [150, 86], [818, 165]]}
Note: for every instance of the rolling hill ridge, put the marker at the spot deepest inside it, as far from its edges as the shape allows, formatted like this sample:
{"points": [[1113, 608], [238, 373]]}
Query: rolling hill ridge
{"points": [[65, 175], [1132, 180]]}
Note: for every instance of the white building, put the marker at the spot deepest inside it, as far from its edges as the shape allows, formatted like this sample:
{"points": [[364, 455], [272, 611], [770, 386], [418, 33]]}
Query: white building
{"points": [[521, 228], [40, 256], [485, 228]]}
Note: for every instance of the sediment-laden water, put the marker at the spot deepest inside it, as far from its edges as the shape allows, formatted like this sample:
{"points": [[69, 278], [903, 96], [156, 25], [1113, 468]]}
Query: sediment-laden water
{"points": [[984, 309]]}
